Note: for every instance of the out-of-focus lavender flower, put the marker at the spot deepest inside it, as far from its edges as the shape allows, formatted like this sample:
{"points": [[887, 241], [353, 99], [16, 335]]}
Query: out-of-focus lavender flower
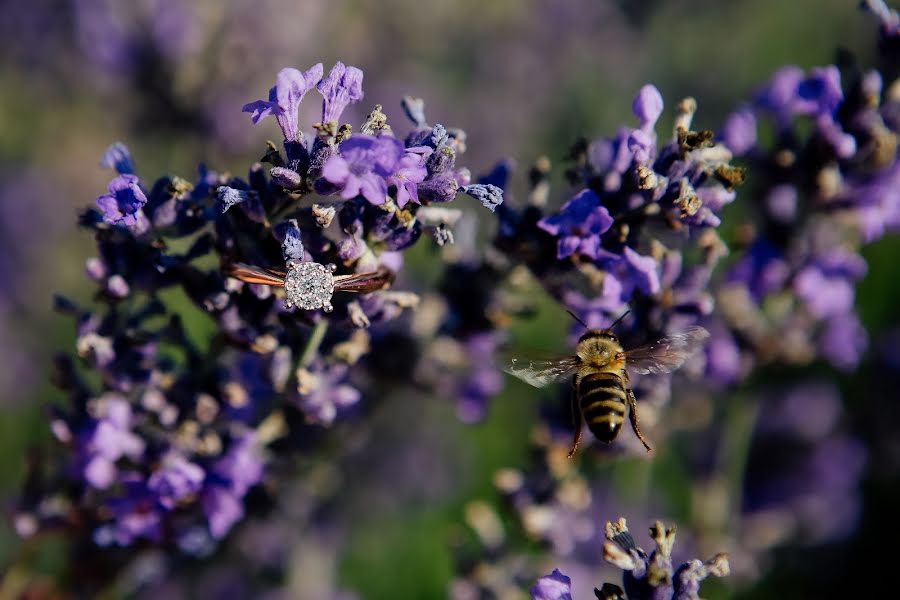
{"points": [[739, 131], [322, 392], [123, 202], [803, 471], [887, 17], [555, 586], [808, 232], [111, 439], [177, 478], [118, 157]]}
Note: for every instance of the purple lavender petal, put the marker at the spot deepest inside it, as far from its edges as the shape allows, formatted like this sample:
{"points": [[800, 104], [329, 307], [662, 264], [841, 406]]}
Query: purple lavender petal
{"points": [[284, 99], [223, 509], [175, 480], [123, 202], [340, 87], [739, 131], [117, 157], [554, 586], [579, 225], [644, 269], [648, 106]]}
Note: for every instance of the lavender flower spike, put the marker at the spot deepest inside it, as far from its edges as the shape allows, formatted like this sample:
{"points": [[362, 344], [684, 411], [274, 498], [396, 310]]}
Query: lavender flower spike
{"points": [[284, 99], [649, 576], [125, 198], [579, 225], [554, 586], [342, 86]]}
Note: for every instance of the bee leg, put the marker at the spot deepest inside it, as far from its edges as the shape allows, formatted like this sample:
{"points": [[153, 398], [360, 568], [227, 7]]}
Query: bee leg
{"points": [[576, 420], [633, 416]]}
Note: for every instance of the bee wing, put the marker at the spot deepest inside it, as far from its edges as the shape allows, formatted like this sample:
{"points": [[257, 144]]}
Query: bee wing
{"points": [[252, 274], [363, 283], [541, 373], [667, 353]]}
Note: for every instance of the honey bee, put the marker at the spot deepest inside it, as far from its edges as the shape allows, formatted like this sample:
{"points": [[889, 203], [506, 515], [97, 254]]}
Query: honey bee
{"points": [[600, 376]]}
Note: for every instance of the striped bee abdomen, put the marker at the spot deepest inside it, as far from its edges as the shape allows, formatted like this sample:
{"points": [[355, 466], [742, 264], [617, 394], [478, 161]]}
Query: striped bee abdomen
{"points": [[601, 397]]}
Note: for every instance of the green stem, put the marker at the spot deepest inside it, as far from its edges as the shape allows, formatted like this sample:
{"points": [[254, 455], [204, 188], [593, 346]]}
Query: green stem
{"points": [[740, 421], [312, 345]]}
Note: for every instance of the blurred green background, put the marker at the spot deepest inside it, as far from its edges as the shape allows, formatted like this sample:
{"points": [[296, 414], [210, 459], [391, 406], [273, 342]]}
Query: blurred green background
{"points": [[522, 77]]}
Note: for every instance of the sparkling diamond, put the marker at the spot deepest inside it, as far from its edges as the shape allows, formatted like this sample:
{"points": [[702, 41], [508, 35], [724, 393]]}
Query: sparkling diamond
{"points": [[309, 285]]}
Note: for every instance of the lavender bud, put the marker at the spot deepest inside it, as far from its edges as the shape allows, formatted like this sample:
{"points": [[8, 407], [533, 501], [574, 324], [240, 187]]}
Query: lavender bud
{"points": [[291, 245], [286, 178], [489, 195], [229, 196], [118, 157]]}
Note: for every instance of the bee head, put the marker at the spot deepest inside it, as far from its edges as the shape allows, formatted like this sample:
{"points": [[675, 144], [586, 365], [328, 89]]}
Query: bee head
{"points": [[603, 334]]}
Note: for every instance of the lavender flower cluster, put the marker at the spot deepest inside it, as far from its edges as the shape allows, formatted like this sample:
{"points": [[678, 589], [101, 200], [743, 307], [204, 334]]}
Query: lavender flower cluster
{"points": [[827, 184], [641, 233], [169, 439], [164, 435], [646, 575]]}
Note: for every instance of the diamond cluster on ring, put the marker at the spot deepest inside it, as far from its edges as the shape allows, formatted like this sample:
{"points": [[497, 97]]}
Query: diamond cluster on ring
{"points": [[309, 285]]}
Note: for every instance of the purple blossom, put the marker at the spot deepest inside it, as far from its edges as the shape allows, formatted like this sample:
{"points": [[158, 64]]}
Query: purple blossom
{"points": [[176, 479], [111, 439], [790, 92], [644, 270], [223, 508], [323, 393], [242, 465], [134, 517], [342, 86], [123, 202], [739, 131], [118, 157], [484, 380], [362, 166], [410, 172], [555, 586], [887, 17], [843, 341], [579, 225], [781, 203], [284, 99], [648, 106]]}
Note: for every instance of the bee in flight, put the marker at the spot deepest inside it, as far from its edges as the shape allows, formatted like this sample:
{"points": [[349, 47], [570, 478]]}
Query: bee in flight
{"points": [[600, 375]]}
